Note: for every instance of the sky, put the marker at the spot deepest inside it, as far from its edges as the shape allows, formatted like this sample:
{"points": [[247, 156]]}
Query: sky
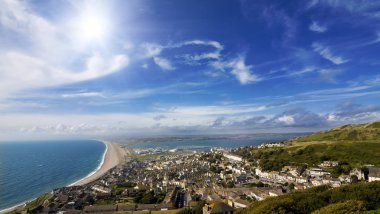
{"points": [[148, 67]]}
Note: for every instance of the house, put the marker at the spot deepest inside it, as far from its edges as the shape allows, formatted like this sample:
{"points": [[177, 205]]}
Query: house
{"points": [[317, 172], [217, 207], [233, 157], [358, 173], [328, 164], [374, 174], [101, 189], [238, 203]]}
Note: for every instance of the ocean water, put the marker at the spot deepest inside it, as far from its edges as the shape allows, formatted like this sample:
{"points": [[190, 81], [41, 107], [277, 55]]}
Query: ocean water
{"points": [[29, 169], [207, 142]]}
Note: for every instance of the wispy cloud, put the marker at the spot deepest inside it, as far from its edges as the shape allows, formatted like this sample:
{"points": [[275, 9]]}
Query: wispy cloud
{"points": [[36, 64], [350, 5], [163, 63], [242, 71], [238, 67], [82, 95], [316, 27], [213, 110], [326, 53], [155, 51]]}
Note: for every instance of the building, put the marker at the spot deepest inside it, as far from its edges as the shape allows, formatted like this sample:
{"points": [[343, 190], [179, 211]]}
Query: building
{"points": [[358, 173], [329, 164], [233, 157], [374, 174], [217, 207]]}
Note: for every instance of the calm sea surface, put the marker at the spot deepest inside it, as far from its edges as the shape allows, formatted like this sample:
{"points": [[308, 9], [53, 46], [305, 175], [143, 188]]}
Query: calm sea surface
{"points": [[29, 169]]}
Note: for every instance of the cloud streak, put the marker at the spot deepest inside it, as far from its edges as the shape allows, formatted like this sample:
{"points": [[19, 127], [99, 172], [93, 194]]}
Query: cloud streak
{"points": [[326, 53], [314, 26]]}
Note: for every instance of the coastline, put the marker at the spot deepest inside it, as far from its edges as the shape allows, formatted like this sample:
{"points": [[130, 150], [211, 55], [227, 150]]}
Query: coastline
{"points": [[113, 156]]}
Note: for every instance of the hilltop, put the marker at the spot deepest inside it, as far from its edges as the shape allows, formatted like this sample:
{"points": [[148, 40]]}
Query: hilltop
{"points": [[352, 132], [352, 145]]}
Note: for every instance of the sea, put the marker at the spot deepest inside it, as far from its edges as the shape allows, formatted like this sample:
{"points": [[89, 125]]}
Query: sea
{"points": [[204, 143], [30, 169]]}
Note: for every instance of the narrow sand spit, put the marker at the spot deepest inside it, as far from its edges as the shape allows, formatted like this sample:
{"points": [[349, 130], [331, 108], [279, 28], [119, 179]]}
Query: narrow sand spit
{"points": [[115, 155]]}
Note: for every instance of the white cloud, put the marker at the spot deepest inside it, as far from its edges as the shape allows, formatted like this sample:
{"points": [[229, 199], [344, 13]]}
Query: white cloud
{"points": [[242, 71], [20, 72], [152, 50], [82, 94], [286, 119], [314, 26], [208, 55], [350, 5], [326, 53], [155, 52], [213, 110], [163, 63], [43, 57]]}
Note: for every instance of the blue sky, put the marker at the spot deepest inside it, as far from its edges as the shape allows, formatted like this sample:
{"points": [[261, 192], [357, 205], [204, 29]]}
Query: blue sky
{"points": [[137, 67]]}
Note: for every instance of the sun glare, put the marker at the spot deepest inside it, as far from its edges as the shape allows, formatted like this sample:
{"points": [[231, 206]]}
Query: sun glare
{"points": [[92, 26]]}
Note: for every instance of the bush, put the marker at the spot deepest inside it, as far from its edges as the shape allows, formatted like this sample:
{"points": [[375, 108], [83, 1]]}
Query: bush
{"points": [[350, 206], [360, 196]]}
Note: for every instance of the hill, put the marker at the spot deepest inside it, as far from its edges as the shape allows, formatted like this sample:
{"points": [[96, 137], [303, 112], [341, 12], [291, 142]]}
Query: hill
{"points": [[351, 145], [355, 132], [353, 198]]}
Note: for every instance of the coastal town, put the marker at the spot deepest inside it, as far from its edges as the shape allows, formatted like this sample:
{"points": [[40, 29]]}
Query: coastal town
{"points": [[188, 181]]}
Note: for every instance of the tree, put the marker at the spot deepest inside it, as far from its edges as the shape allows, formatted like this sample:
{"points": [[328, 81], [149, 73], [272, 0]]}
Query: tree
{"points": [[354, 179], [291, 186]]}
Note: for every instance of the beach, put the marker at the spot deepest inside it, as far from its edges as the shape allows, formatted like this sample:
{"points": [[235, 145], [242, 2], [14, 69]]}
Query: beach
{"points": [[115, 154]]}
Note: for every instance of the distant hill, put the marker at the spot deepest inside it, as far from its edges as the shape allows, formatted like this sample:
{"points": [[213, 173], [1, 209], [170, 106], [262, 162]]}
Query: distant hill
{"points": [[355, 132], [352, 198], [351, 145]]}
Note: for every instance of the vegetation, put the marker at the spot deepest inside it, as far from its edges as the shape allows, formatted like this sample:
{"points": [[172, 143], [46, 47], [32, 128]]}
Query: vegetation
{"points": [[148, 197], [356, 132], [122, 186], [351, 145], [351, 206], [258, 184], [353, 198], [352, 154], [229, 184]]}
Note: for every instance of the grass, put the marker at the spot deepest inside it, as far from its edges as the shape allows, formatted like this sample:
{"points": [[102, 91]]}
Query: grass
{"points": [[355, 154], [33, 204], [359, 196], [357, 132]]}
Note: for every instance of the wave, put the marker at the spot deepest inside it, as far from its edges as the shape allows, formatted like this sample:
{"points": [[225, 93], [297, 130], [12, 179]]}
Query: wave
{"points": [[97, 169]]}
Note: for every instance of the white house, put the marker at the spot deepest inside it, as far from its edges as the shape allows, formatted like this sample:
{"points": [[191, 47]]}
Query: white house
{"points": [[374, 174]]}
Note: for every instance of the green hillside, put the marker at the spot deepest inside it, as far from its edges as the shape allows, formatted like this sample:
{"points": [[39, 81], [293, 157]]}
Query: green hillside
{"points": [[353, 198], [356, 132], [351, 145]]}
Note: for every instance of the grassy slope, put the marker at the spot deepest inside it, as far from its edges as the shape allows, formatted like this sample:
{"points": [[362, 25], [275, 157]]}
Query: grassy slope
{"points": [[356, 132], [366, 196], [338, 144]]}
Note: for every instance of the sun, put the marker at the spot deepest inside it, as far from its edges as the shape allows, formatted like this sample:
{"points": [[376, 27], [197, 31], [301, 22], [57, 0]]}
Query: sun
{"points": [[92, 27]]}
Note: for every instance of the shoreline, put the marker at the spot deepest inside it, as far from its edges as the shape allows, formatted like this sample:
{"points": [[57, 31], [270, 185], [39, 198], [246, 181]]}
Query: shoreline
{"points": [[112, 156], [95, 170]]}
